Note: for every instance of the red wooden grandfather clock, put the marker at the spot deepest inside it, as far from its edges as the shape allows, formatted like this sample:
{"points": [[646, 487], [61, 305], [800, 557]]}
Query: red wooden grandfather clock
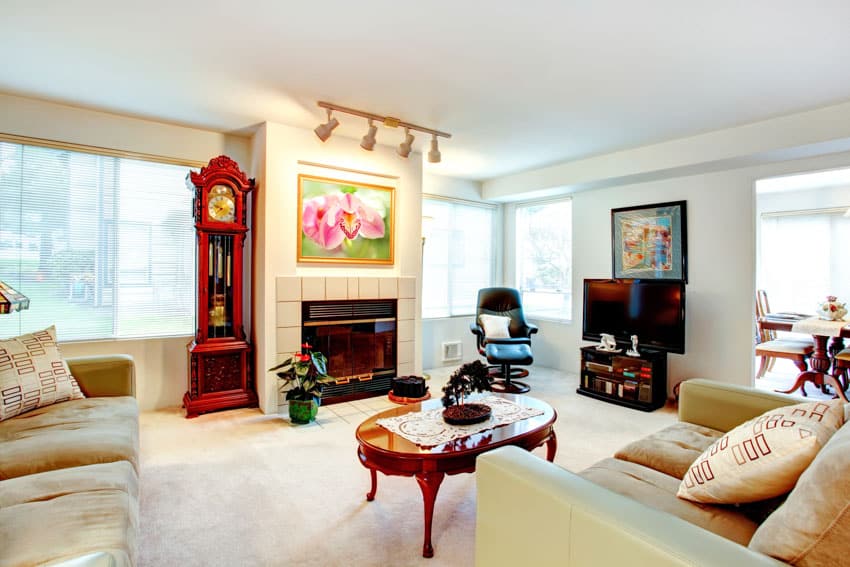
{"points": [[220, 368]]}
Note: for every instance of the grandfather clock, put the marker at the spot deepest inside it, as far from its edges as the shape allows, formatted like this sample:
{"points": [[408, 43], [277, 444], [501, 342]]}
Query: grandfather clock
{"points": [[220, 368]]}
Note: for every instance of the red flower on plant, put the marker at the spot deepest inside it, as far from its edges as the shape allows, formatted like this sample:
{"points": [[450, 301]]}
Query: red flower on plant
{"points": [[304, 357], [832, 307], [306, 345]]}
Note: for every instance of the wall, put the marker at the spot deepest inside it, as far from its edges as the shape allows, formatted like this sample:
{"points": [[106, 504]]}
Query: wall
{"points": [[161, 364], [282, 149], [721, 266]]}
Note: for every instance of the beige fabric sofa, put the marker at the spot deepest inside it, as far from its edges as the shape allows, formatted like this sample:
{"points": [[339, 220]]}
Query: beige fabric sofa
{"points": [[69, 473], [624, 510]]}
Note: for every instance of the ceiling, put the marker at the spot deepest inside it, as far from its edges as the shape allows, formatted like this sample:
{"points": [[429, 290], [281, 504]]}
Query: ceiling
{"points": [[519, 87]]}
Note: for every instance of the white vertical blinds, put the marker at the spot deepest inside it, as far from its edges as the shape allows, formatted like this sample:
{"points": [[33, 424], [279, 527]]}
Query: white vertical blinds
{"points": [[544, 256], [457, 258], [802, 259], [103, 246]]}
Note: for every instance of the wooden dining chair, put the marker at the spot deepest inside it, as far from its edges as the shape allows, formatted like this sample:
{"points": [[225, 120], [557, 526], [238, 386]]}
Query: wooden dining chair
{"points": [[770, 347]]}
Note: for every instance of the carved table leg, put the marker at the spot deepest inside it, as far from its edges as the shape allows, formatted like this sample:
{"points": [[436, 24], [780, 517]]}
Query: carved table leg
{"points": [[551, 446], [371, 494], [429, 482]]}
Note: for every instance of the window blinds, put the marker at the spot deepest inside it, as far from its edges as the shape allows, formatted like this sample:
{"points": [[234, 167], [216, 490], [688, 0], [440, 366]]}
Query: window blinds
{"points": [[103, 246]]}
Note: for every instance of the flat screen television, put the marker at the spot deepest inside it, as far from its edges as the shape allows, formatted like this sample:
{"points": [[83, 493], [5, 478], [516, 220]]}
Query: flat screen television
{"points": [[654, 310]]}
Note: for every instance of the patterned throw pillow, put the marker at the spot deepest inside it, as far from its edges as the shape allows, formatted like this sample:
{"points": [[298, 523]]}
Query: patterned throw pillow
{"points": [[763, 457], [33, 374], [495, 326]]}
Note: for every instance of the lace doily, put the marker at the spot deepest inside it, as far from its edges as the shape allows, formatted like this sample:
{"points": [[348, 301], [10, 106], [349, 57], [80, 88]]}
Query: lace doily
{"points": [[427, 428]]}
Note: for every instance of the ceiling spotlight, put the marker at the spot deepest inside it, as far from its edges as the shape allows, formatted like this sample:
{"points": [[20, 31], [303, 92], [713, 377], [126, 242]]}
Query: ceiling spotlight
{"points": [[323, 131], [368, 141], [405, 146], [434, 154]]}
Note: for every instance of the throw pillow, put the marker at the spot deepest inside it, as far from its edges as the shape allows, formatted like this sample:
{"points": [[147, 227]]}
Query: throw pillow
{"points": [[495, 326], [763, 457], [33, 374], [812, 527]]}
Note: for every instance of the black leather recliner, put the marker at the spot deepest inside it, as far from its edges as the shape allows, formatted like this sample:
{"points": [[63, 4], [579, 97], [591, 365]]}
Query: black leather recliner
{"points": [[503, 352]]}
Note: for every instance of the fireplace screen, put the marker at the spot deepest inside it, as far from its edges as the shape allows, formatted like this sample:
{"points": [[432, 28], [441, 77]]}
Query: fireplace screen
{"points": [[359, 340]]}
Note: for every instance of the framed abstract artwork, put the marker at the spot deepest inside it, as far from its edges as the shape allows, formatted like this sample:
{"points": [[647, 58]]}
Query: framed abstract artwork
{"points": [[650, 241], [345, 222]]}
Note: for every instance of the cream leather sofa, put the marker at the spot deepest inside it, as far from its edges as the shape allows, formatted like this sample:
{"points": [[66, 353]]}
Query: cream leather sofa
{"points": [[617, 512], [69, 474]]}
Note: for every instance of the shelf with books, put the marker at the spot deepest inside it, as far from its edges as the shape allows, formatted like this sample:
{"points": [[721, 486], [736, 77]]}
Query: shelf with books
{"points": [[636, 382]]}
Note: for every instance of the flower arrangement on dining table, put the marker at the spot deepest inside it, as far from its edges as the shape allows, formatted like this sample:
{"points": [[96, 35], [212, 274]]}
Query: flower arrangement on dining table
{"points": [[832, 309]]}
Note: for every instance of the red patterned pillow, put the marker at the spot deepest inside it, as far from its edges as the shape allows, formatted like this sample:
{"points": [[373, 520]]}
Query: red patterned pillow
{"points": [[33, 374], [763, 457]]}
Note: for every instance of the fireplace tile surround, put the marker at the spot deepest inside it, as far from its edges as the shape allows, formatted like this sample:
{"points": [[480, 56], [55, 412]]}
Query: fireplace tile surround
{"points": [[290, 291]]}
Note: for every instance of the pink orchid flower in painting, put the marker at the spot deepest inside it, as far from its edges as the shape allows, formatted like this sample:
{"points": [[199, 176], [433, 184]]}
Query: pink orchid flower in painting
{"points": [[320, 221], [358, 217], [330, 219]]}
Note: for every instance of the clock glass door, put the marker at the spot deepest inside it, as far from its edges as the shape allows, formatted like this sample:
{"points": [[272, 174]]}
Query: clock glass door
{"points": [[220, 282]]}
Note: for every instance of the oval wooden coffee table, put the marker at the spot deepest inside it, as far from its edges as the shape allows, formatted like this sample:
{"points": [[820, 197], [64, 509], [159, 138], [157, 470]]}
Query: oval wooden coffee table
{"points": [[382, 450]]}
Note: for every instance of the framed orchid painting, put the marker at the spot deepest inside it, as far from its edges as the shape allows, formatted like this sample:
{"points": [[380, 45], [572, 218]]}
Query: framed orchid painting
{"points": [[343, 221]]}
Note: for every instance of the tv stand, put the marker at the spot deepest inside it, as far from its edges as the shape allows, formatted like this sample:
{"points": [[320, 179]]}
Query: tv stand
{"points": [[635, 382]]}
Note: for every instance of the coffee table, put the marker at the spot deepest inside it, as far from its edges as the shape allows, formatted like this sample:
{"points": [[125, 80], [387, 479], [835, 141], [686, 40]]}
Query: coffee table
{"points": [[382, 450]]}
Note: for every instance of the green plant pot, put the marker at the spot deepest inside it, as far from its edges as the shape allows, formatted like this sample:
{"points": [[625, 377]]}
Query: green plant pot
{"points": [[303, 411]]}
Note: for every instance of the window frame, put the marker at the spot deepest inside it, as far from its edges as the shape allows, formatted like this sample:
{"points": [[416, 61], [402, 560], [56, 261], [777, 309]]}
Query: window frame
{"points": [[120, 154], [515, 241], [496, 231]]}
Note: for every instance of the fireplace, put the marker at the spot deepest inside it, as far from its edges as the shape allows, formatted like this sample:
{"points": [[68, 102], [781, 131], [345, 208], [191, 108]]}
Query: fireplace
{"points": [[358, 337]]}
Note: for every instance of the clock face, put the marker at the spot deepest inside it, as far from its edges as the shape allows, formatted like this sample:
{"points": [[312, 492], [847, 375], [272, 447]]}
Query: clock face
{"points": [[221, 208]]}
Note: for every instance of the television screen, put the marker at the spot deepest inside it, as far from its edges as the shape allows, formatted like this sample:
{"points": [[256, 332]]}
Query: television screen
{"points": [[651, 309]]}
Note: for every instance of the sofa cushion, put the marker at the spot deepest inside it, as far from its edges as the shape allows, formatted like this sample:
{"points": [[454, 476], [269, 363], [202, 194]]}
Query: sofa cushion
{"points": [[812, 527], [671, 450], [66, 513], [763, 457], [658, 490], [73, 433], [33, 374]]}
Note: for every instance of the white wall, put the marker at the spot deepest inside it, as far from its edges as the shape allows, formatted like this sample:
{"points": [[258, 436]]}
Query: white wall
{"points": [[277, 214], [161, 364], [721, 266]]}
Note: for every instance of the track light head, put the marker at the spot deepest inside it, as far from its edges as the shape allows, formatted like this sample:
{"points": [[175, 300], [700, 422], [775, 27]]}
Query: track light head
{"points": [[434, 155], [323, 131], [368, 141], [405, 147]]}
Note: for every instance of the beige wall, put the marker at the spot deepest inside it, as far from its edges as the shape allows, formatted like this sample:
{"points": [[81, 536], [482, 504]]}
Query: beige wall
{"points": [[161, 364], [281, 148]]}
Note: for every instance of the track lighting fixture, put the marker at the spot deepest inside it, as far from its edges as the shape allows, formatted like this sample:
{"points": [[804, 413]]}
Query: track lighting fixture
{"points": [[405, 147], [434, 154], [323, 131], [368, 141]]}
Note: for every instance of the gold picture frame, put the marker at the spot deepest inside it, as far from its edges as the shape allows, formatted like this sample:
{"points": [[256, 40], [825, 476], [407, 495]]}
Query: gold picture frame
{"points": [[342, 221]]}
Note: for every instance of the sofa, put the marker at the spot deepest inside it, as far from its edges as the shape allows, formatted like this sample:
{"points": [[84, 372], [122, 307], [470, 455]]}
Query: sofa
{"points": [[69, 483], [624, 511]]}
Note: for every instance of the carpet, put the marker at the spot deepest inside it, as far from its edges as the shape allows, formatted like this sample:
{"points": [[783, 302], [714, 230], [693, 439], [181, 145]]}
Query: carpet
{"points": [[242, 488]]}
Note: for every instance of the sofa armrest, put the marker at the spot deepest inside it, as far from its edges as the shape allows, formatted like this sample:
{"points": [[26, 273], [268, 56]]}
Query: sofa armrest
{"points": [[723, 406], [104, 375], [532, 512]]}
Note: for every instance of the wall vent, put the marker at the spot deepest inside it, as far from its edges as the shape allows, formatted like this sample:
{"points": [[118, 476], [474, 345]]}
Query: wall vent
{"points": [[452, 350]]}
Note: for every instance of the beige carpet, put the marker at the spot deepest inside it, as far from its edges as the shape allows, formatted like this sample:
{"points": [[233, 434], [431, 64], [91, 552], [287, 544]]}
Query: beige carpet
{"points": [[243, 488]]}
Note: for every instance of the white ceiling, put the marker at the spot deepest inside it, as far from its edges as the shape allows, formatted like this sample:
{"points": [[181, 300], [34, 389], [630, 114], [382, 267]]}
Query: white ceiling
{"points": [[519, 85]]}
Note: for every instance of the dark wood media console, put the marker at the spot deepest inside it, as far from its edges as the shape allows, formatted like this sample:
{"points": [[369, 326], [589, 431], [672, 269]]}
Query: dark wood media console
{"points": [[635, 382]]}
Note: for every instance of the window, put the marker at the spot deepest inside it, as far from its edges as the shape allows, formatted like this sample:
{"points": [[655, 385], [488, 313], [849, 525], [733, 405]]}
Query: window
{"points": [[801, 258], [544, 258], [103, 246], [457, 256]]}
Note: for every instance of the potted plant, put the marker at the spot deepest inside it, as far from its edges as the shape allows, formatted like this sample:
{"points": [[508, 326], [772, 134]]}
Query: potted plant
{"points": [[470, 376], [306, 373]]}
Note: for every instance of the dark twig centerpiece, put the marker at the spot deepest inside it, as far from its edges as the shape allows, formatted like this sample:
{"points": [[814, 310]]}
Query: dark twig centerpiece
{"points": [[471, 376]]}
